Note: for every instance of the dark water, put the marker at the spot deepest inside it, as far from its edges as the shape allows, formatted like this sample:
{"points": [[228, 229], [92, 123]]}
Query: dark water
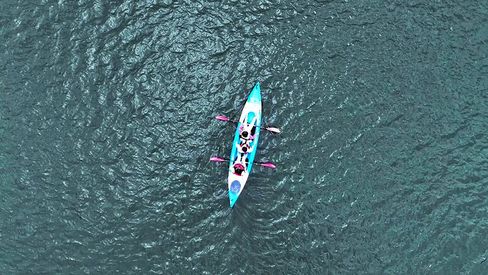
{"points": [[106, 127]]}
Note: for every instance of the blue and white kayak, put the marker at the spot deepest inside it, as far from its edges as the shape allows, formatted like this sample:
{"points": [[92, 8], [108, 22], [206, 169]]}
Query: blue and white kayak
{"points": [[245, 144]]}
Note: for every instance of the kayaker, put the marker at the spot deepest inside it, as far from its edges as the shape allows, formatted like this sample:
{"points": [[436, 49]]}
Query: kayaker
{"points": [[245, 134], [247, 131], [238, 169], [240, 164], [244, 147]]}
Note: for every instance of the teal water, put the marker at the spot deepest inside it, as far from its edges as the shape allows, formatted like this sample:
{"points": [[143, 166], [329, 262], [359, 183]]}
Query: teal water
{"points": [[106, 127]]}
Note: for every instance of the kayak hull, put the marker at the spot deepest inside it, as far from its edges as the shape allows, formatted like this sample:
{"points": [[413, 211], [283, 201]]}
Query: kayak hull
{"points": [[245, 144]]}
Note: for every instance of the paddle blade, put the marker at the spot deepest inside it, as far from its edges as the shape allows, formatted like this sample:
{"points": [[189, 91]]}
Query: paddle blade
{"points": [[222, 118], [268, 165], [217, 159], [273, 130]]}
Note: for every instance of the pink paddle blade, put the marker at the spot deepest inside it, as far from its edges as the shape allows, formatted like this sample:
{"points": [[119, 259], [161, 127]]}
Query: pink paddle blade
{"points": [[268, 165], [217, 159], [273, 130], [222, 118]]}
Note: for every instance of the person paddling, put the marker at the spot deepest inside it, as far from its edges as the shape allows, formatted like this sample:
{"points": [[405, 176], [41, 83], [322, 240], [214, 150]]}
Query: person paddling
{"points": [[247, 131], [244, 147]]}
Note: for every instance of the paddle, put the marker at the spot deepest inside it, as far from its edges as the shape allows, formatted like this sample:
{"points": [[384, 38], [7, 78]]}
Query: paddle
{"points": [[267, 164], [273, 130]]}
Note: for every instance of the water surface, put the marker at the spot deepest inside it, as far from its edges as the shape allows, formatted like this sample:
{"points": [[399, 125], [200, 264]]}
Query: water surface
{"points": [[106, 125]]}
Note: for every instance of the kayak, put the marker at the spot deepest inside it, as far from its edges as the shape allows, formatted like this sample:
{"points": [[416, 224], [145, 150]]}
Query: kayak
{"points": [[245, 144]]}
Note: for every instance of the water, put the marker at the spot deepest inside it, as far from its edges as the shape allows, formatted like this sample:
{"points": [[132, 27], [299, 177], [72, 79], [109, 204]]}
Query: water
{"points": [[106, 126]]}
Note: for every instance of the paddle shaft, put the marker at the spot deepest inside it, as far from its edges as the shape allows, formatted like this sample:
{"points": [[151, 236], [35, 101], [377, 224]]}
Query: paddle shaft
{"points": [[220, 159], [273, 130]]}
